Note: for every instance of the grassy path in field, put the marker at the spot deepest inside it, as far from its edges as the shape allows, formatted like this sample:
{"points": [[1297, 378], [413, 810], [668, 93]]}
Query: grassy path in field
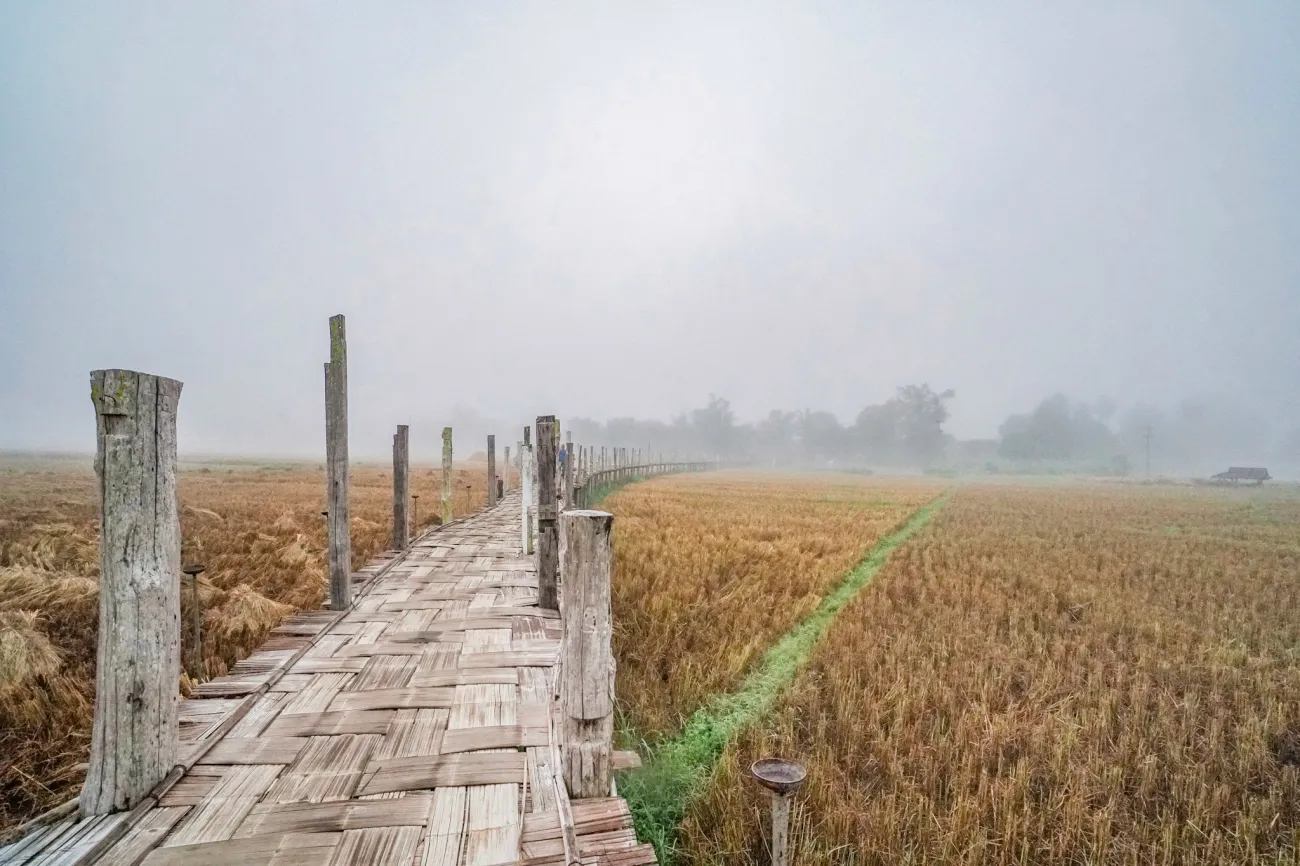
{"points": [[659, 792]]}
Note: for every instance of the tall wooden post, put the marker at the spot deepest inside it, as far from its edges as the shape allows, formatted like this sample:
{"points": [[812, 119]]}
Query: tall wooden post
{"points": [[548, 562], [569, 459], [401, 487], [526, 482], [135, 739], [587, 663], [446, 475], [506, 476], [336, 461], [492, 470]]}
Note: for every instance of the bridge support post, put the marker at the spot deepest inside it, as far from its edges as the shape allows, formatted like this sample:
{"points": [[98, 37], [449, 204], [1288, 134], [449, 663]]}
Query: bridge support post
{"points": [[526, 483], [587, 662], [446, 476], [569, 458], [492, 470], [401, 487], [135, 739], [548, 563], [336, 466], [505, 476]]}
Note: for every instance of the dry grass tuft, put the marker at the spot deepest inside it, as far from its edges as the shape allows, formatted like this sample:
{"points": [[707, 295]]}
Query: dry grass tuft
{"points": [[25, 652]]}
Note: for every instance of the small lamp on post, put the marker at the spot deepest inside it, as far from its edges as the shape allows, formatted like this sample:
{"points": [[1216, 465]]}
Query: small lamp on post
{"points": [[782, 778], [196, 619]]}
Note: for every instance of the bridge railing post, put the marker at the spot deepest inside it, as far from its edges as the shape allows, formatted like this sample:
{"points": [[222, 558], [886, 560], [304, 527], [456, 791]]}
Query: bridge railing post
{"points": [[401, 487], [587, 656], [135, 739], [336, 463], [547, 537], [492, 470], [447, 494]]}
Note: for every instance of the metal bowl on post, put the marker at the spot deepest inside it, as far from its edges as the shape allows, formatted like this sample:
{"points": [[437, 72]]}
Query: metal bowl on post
{"points": [[782, 778]]}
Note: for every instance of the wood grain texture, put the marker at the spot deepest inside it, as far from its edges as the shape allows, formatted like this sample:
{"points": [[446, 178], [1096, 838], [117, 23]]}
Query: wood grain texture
{"points": [[135, 735]]}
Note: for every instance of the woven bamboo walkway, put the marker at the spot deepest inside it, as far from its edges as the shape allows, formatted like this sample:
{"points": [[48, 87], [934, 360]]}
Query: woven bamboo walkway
{"points": [[414, 728]]}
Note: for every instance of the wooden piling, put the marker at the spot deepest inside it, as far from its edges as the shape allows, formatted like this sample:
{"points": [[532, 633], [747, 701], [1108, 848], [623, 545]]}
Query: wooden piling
{"points": [[446, 476], [526, 486], [336, 461], [506, 475], [135, 739], [587, 656], [547, 538], [492, 470], [401, 487], [568, 471]]}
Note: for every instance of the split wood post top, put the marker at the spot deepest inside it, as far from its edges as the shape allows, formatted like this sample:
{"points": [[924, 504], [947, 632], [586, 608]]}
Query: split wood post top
{"points": [[587, 655], [336, 462], [401, 487], [446, 475], [492, 470], [568, 470], [547, 534], [135, 738]]}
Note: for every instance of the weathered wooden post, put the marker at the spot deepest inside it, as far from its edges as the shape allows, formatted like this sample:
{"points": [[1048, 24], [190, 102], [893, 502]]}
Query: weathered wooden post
{"points": [[568, 471], [446, 476], [336, 461], [401, 487], [587, 663], [492, 470], [135, 739], [547, 537], [506, 475], [526, 482]]}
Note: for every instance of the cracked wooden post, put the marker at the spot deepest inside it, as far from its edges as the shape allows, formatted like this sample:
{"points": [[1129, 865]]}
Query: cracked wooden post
{"points": [[336, 463], [446, 476], [402, 487], [547, 538], [505, 476], [587, 655], [568, 470], [526, 485], [135, 740], [492, 470]]}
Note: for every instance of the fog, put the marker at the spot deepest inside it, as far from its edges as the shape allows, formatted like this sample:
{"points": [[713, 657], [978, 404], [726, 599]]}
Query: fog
{"points": [[614, 210]]}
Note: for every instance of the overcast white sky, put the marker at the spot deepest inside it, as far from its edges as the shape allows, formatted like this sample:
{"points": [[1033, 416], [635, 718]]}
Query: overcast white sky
{"points": [[615, 209]]}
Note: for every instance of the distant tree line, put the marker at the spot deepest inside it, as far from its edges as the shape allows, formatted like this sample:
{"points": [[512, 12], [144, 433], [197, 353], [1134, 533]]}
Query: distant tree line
{"points": [[907, 431]]}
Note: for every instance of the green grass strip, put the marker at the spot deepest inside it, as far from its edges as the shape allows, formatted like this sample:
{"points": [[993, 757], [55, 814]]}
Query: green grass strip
{"points": [[676, 770]]}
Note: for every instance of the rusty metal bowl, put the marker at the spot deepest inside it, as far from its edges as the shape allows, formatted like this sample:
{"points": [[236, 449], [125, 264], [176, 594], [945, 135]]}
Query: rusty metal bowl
{"points": [[778, 775]]}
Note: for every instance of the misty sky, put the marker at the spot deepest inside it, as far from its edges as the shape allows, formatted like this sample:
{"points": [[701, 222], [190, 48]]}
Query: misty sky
{"points": [[608, 209]]}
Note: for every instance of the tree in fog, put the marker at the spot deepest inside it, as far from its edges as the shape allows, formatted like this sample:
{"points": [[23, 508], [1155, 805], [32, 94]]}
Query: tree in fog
{"points": [[1057, 430]]}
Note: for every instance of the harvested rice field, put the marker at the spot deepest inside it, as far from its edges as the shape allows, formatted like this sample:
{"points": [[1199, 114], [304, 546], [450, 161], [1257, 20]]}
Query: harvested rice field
{"points": [[1063, 674]]}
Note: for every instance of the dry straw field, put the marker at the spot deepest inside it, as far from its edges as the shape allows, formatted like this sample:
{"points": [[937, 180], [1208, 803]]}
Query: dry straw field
{"points": [[711, 570], [1055, 675], [257, 528]]}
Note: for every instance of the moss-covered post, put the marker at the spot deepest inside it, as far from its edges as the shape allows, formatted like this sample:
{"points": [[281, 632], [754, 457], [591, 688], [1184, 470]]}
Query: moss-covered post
{"points": [[135, 739], [446, 475], [336, 462]]}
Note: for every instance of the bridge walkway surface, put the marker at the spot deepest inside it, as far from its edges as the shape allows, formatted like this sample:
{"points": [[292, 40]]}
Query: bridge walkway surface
{"points": [[417, 727]]}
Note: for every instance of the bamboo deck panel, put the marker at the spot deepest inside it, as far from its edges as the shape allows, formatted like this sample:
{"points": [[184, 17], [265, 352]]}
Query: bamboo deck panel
{"points": [[416, 727]]}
